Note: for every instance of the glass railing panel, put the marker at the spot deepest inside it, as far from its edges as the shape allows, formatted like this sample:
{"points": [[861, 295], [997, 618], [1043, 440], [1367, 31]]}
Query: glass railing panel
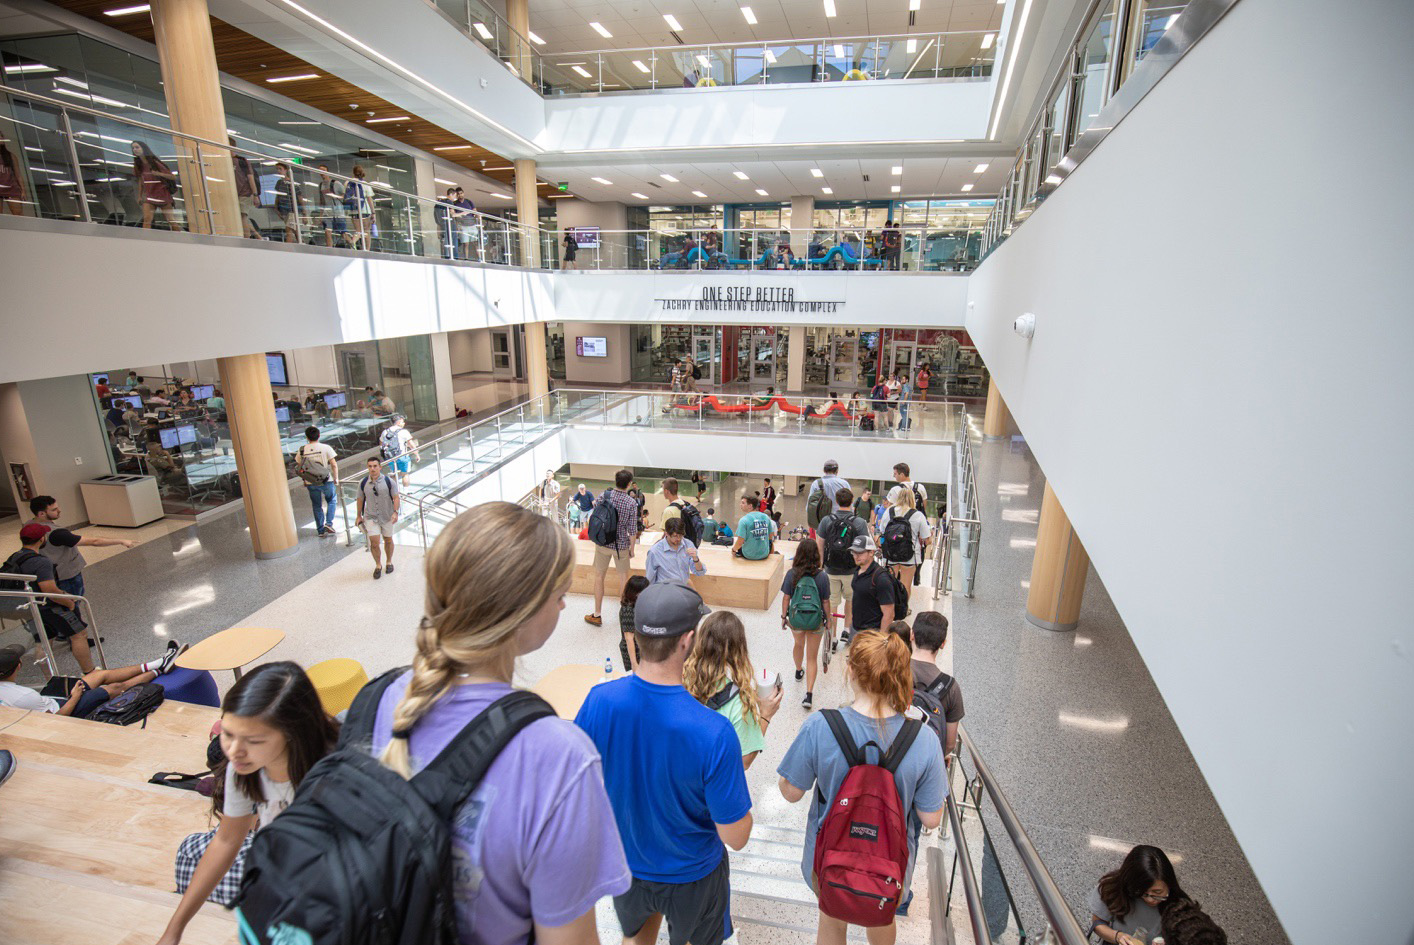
{"points": [[45, 180], [572, 72], [626, 70]]}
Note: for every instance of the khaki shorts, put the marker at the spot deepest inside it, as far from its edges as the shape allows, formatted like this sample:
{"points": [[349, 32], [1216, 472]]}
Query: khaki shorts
{"points": [[372, 527], [841, 586], [602, 557]]}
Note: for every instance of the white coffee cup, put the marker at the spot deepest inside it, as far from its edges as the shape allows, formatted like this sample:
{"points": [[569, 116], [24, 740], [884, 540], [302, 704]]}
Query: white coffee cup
{"points": [[767, 682]]}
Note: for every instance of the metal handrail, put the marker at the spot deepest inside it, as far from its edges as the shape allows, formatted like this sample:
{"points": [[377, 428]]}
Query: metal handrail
{"points": [[965, 498], [35, 598], [815, 41]]}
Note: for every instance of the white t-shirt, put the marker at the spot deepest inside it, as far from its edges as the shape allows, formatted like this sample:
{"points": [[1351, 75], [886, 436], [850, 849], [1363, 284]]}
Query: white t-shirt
{"points": [[919, 523], [15, 696], [278, 795]]}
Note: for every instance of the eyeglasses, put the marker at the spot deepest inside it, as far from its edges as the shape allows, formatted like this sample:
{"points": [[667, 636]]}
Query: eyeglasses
{"points": [[1154, 898]]}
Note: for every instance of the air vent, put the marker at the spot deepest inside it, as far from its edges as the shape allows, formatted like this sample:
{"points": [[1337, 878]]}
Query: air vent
{"points": [[676, 38], [866, 178], [651, 184]]}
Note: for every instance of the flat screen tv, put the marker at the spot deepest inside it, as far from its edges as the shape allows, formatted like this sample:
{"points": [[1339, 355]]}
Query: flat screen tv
{"points": [[591, 347], [275, 364], [282, 414], [334, 401]]}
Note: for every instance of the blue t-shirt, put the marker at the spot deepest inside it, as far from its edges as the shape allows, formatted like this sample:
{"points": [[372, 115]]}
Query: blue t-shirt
{"points": [[755, 530], [814, 758], [673, 771]]}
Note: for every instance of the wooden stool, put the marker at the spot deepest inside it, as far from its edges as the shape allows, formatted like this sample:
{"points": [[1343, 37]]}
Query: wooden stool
{"points": [[337, 681], [231, 649]]}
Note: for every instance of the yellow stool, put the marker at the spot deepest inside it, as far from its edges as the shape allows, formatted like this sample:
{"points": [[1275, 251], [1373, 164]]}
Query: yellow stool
{"points": [[337, 682]]}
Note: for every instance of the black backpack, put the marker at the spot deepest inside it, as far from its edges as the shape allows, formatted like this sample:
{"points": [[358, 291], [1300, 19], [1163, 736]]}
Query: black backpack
{"points": [[12, 565], [132, 705], [900, 593], [604, 522], [838, 533], [820, 506], [898, 543], [929, 700], [692, 526], [363, 856], [696, 373]]}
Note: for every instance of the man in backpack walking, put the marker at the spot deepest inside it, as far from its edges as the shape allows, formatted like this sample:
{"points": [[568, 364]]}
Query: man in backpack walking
{"points": [[673, 508], [318, 465], [821, 499], [620, 552], [378, 504], [396, 444], [872, 589], [902, 476], [836, 534], [675, 814], [930, 635]]}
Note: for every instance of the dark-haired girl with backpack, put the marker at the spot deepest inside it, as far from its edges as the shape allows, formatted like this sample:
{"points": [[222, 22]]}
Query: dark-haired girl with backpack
{"points": [[878, 672], [272, 730], [806, 566]]}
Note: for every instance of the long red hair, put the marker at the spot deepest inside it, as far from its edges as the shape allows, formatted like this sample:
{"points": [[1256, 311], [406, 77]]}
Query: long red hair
{"points": [[879, 663]]}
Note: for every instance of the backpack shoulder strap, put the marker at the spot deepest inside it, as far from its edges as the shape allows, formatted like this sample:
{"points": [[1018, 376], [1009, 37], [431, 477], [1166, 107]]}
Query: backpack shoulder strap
{"points": [[939, 687], [358, 723], [843, 738], [722, 696], [455, 773], [901, 744]]}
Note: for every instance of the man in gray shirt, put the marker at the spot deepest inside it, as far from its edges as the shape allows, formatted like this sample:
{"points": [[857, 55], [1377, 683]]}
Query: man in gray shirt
{"points": [[62, 548], [829, 483], [378, 505]]}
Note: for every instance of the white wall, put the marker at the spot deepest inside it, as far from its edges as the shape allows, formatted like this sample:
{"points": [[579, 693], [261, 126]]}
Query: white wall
{"points": [[52, 425], [1219, 395], [470, 350]]}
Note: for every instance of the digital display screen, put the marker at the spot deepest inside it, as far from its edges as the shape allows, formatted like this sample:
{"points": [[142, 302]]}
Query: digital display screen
{"points": [[275, 364], [282, 414], [591, 347], [135, 402], [186, 433], [169, 438], [335, 400], [585, 237], [100, 378], [202, 391]]}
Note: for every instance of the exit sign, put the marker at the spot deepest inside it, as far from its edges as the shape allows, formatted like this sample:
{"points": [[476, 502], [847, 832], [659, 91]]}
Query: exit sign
{"points": [[563, 186]]}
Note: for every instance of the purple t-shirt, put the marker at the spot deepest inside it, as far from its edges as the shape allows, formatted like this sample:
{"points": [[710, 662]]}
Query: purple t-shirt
{"points": [[541, 811]]}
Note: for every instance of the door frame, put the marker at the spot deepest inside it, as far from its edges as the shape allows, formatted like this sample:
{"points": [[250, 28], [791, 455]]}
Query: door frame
{"points": [[497, 368]]}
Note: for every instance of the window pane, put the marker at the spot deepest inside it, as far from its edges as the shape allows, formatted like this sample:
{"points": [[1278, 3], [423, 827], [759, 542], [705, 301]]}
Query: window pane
{"points": [[1155, 18], [1093, 64]]}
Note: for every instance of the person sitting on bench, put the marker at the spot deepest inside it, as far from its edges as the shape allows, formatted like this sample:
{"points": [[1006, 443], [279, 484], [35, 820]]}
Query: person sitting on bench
{"points": [[81, 696]]}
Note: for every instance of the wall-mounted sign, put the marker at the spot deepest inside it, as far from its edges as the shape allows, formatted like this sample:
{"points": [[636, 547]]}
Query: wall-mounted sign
{"points": [[591, 347], [585, 237], [749, 299]]}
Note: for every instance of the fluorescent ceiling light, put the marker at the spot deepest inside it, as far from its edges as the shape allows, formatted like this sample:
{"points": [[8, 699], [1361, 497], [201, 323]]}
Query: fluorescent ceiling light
{"points": [[292, 78], [816, 172], [988, 40], [839, 51], [535, 39], [581, 70], [640, 196], [497, 193], [673, 23], [740, 175], [482, 31], [770, 57], [300, 123], [28, 67], [638, 64], [896, 170], [980, 169], [93, 98], [68, 81], [915, 5], [698, 193], [599, 28], [706, 63], [826, 190], [762, 192], [124, 11], [295, 147], [449, 183], [750, 17], [379, 121], [911, 46], [600, 180], [829, 7], [669, 178], [453, 147], [895, 189], [966, 188]]}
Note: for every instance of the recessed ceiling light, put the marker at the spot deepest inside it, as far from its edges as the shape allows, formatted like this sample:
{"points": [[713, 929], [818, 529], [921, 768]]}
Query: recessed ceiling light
{"points": [[740, 175], [673, 23], [598, 27], [911, 46], [895, 189], [310, 123], [839, 51], [988, 40], [379, 121], [535, 39], [966, 188], [669, 178], [896, 170], [640, 196], [826, 190], [698, 193], [829, 7], [28, 67], [915, 5], [816, 172], [124, 11], [482, 31], [292, 78], [750, 17], [638, 64], [770, 57], [295, 147], [445, 147], [762, 192], [600, 180], [496, 193], [449, 183], [582, 71], [706, 63]]}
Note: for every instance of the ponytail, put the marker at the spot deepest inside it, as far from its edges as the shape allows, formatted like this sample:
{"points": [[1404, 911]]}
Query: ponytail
{"points": [[879, 663]]}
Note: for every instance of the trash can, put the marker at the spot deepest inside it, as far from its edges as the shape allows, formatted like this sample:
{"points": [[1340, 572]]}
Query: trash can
{"points": [[127, 501]]}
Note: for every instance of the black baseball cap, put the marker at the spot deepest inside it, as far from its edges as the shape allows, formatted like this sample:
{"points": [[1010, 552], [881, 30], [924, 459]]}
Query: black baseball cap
{"points": [[10, 658], [669, 609]]}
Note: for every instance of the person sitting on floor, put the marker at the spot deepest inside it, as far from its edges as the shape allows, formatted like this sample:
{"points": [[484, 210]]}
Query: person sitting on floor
{"points": [[82, 695]]}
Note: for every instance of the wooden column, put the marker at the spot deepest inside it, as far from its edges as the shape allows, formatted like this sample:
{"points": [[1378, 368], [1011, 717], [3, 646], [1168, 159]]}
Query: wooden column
{"points": [[1058, 570], [537, 360], [996, 422], [518, 15], [265, 486], [528, 212], [192, 87]]}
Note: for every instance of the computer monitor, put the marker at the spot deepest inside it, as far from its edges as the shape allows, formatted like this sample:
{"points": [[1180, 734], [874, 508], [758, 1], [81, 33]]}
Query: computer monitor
{"points": [[133, 401], [169, 438], [202, 391], [100, 378], [282, 414], [186, 434], [333, 401]]}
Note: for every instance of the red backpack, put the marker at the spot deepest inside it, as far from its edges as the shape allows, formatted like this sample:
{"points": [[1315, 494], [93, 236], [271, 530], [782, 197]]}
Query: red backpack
{"points": [[861, 852]]}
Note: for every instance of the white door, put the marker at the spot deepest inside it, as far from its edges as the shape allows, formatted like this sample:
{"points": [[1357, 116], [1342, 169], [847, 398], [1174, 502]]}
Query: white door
{"points": [[704, 352], [502, 358], [905, 354]]}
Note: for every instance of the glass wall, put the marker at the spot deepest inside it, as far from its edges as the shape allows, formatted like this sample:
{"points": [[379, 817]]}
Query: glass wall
{"points": [[730, 357], [850, 358]]}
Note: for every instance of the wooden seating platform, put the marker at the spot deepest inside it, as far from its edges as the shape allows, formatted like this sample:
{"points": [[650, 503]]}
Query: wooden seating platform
{"points": [[729, 581], [86, 844]]}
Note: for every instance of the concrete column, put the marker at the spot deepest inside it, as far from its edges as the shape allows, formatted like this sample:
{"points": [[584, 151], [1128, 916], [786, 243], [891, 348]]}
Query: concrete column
{"points": [[428, 189], [521, 58], [265, 486], [795, 359], [802, 222], [193, 91], [528, 212], [1058, 570], [996, 422], [442, 376], [537, 361]]}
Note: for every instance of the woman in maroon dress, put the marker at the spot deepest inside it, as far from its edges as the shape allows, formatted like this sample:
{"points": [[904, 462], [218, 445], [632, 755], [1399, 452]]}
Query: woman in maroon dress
{"points": [[156, 186], [12, 186]]}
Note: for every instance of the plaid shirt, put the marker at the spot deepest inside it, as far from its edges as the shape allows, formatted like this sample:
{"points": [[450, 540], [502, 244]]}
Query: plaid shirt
{"points": [[189, 854], [627, 510]]}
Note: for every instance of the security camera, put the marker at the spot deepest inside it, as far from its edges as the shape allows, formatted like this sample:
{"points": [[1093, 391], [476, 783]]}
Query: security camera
{"points": [[1025, 326]]}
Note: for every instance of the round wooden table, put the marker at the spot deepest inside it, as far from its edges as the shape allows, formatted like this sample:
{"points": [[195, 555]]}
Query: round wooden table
{"points": [[231, 649], [566, 687]]}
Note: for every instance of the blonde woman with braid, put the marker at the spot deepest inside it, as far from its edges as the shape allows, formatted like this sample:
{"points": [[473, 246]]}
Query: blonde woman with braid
{"points": [[719, 675], [535, 845]]}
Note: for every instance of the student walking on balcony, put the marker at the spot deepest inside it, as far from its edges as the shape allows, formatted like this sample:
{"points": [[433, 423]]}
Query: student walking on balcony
{"points": [[358, 205], [12, 184], [156, 186]]}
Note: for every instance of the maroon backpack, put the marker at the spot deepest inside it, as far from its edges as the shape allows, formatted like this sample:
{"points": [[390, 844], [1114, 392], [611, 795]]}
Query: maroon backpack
{"points": [[861, 852]]}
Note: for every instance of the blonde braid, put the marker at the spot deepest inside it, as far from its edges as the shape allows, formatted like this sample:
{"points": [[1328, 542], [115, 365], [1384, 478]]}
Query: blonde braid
{"points": [[432, 676]]}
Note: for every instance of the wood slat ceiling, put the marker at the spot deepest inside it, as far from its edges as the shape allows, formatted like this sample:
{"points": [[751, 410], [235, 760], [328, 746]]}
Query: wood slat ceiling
{"points": [[242, 55]]}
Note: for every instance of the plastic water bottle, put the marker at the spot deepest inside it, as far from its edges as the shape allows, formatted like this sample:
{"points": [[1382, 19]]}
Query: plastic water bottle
{"points": [[608, 666]]}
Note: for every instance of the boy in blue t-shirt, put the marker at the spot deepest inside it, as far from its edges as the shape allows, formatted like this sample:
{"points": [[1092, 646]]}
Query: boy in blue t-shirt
{"points": [[674, 776], [754, 534]]}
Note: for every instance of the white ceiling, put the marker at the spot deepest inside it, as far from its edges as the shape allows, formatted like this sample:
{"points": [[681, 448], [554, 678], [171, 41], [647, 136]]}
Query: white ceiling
{"points": [[564, 24], [921, 177]]}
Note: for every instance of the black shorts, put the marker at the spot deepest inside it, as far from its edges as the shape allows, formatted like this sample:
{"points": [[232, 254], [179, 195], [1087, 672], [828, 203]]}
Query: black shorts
{"points": [[59, 688], [696, 911]]}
